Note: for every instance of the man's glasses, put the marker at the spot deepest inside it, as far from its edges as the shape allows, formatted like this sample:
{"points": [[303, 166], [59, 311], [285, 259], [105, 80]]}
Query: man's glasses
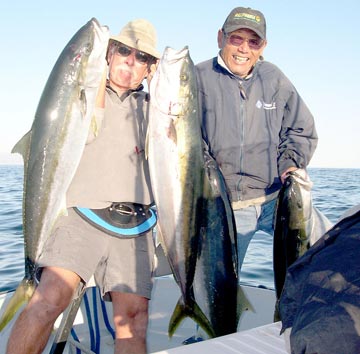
{"points": [[125, 51], [237, 41]]}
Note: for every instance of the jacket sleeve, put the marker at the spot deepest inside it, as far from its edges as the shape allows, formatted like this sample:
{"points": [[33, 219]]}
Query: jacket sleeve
{"points": [[298, 136]]}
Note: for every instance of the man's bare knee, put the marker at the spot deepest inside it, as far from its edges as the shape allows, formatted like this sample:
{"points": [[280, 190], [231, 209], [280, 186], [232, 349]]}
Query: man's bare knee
{"points": [[130, 315], [55, 290]]}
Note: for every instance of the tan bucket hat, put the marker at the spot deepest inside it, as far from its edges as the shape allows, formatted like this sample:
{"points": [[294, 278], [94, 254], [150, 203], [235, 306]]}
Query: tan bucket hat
{"points": [[139, 34]]}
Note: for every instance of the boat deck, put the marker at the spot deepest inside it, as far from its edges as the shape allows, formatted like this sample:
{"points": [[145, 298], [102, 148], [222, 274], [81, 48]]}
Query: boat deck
{"points": [[257, 332], [259, 340], [93, 332]]}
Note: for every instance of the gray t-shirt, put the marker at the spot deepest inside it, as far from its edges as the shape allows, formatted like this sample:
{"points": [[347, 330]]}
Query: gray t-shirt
{"points": [[113, 167]]}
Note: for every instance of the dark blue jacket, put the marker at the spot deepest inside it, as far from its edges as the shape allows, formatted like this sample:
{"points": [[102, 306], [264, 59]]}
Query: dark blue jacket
{"points": [[256, 136]]}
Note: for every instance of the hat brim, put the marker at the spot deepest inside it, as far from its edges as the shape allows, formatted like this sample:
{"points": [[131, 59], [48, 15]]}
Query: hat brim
{"points": [[137, 45], [234, 28]]}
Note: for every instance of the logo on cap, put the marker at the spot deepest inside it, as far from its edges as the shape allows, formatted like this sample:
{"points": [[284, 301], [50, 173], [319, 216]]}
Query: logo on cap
{"points": [[246, 16]]}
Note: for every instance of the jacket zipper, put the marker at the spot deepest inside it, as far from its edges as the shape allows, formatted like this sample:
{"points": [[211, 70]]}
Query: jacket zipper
{"points": [[243, 98]]}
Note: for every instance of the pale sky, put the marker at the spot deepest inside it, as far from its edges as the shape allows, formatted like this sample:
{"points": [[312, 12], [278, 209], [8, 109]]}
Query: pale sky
{"points": [[315, 43]]}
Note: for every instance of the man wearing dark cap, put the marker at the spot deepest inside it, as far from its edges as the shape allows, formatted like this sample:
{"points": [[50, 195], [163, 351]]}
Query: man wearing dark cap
{"points": [[254, 122], [108, 229]]}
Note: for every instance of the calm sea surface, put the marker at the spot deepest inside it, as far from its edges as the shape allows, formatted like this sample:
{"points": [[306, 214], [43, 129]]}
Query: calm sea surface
{"points": [[334, 192]]}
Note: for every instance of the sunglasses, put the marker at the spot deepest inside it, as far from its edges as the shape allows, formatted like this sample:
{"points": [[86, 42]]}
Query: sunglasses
{"points": [[141, 57], [237, 41]]}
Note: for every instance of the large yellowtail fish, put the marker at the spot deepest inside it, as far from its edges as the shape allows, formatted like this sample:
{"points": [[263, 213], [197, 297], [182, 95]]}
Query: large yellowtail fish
{"points": [[216, 283], [53, 147], [176, 162], [295, 226]]}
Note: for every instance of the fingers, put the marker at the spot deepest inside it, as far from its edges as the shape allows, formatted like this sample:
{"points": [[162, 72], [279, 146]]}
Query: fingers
{"points": [[151, 71], [285, 174]]}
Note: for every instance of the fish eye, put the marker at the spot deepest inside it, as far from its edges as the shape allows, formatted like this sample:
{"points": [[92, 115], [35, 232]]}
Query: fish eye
{"points": [[183, 77], [88, 48]]}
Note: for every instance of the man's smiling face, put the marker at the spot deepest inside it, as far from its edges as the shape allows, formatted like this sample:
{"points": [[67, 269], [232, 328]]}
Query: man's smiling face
{"points": [[240, 50]]}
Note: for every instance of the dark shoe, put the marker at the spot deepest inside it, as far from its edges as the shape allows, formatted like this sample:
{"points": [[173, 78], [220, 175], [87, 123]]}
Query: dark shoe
{"points": [[193, 339]]}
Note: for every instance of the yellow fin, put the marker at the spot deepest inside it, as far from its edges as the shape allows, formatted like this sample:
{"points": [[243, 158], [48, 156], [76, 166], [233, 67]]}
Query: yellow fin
{"points": [[194, 312], [22, 295]]}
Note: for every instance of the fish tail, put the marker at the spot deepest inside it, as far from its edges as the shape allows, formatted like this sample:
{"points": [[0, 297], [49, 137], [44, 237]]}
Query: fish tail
{"points": [[22, 295], [193, 311], [200, 318]]}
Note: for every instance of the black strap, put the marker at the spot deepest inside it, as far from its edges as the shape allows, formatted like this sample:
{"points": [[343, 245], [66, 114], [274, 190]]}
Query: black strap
{"points": [[121, 219]]}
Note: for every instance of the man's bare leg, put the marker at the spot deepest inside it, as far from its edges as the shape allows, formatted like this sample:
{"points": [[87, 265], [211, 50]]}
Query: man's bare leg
{"points": [[33, 327], [130, 320]]}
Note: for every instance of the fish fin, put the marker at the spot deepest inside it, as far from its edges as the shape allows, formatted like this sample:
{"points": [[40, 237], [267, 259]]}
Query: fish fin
{"points": [[172, 132], [207, 190], [200, 318], [22, 295], [193, 311], [277, 316], [63, 209], [62, 212], [83, 102], [176, 318], [160, 238], [22, 147]]}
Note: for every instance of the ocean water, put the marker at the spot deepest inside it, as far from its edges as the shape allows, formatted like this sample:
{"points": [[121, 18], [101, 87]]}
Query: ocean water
{"points": [[334, 192]]}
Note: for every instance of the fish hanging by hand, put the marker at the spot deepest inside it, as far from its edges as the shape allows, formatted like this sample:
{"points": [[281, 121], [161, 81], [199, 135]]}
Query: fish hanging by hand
{"points": [[293, 225], [53, 147]]}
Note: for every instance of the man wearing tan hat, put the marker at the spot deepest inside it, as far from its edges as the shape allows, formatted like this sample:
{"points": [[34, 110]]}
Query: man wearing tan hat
{"points": [[108, 230]]}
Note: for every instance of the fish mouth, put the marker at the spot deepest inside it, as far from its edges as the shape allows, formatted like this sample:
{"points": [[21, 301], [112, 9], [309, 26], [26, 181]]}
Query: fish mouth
{"points": [[173, 55], [171, 100], [101, 32]]}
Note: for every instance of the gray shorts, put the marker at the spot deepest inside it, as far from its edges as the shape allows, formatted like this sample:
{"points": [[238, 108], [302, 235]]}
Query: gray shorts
{"points": [[118, 264]]}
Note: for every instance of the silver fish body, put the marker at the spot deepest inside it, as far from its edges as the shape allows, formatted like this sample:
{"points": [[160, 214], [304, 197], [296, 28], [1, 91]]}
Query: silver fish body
{"points": [[216, 283], [175, 153], [196, 223], [53, 147], [293, 224]]}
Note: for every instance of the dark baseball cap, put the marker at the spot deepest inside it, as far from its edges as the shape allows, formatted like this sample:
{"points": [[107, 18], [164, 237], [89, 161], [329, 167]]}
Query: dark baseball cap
{"points": [[245, 17]]}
